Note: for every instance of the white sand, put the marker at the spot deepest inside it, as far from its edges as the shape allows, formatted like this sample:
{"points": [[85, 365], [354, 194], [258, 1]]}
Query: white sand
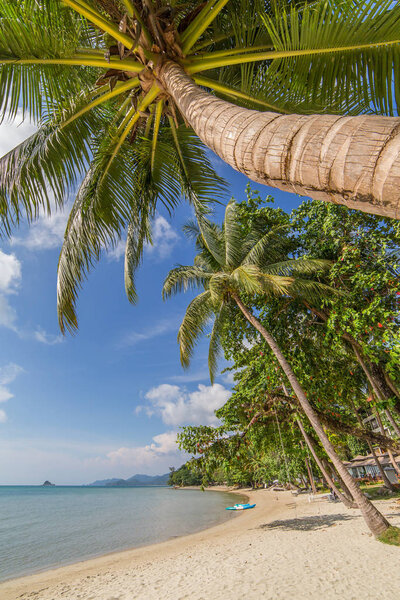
{"points": [[284, 548]]}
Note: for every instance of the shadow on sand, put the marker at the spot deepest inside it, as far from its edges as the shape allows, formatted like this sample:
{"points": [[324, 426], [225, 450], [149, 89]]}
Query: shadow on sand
{"points": [[308, 523]]}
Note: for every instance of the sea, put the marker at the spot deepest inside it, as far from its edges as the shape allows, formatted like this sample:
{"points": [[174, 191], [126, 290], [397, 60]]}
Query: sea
{"points": [[46, 527]]}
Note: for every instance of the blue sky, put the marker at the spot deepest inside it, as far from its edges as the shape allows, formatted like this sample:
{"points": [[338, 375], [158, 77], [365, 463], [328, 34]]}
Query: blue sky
{"points": [[109, 401]]}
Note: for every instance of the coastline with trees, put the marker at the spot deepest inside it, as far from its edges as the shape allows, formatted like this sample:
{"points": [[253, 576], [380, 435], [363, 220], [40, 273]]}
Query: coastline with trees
{"points": [[133, 103]]}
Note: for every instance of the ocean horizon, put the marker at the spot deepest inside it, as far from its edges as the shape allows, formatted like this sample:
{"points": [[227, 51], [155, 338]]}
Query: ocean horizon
{"points": [[46, 527]]}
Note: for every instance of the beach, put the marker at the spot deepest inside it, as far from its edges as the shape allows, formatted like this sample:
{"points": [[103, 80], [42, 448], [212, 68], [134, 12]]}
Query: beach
{"points": [[285, 547]]}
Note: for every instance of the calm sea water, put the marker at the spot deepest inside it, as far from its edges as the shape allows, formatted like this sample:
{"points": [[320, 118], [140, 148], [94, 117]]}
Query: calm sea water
{"points": [[41, 528]]}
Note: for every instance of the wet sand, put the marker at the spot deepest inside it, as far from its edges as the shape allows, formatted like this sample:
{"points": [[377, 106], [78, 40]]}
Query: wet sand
{"points": [[286, 547]]}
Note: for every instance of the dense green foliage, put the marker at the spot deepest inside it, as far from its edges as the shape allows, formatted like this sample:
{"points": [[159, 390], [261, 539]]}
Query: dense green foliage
{"points": [[258, 439], [87, 72], [184, 476]]}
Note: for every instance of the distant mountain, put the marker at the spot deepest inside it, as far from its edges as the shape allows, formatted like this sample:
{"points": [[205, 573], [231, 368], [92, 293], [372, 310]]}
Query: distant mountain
{"points": [[134, 481], [102, 482]]}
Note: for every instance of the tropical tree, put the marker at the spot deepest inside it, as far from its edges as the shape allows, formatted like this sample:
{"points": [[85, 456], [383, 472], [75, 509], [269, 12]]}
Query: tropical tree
{"points": [[231, 266], [289, 93]]}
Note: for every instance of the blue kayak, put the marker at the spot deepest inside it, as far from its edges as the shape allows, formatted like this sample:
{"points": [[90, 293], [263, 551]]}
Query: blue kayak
{"points": [[240, 507]]}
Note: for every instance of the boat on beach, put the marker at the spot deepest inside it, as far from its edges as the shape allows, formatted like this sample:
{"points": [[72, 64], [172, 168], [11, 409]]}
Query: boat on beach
{"points": [[240, 507]]}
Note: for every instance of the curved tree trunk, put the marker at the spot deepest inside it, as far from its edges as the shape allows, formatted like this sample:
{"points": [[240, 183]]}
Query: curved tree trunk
{"points": [[346, 501], [385, 479], [393, 423], [376, 378], [374, 519], [390, 453], [380, 381], [330, 468], [345, 160]]}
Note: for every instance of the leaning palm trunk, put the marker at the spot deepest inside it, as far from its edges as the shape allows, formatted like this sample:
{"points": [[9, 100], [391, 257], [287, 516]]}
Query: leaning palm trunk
{"points": [[374, 519], [390, 453], [385, 479], [342, 497], [335, 475], [345, 160]]}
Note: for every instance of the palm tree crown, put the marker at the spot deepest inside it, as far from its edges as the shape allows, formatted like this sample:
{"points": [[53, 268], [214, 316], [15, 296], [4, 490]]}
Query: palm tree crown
{"points": [[92, 74], [233, 264]]}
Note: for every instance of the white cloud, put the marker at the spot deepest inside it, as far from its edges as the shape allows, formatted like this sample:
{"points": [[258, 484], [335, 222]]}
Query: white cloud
{"points": [[118, 251], [12, 134], [162, 445], [228, 377], [176, 406], [68, 461], [160, 328], [10, 272], [164, 239], [8, 374], [10, 277], [47, 338], [8, 315], [47, 232], [5, 394]]}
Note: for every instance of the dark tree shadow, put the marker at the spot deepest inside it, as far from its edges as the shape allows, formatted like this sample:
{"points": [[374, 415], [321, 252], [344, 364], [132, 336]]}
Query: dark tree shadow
{"points": [[308, 523]]}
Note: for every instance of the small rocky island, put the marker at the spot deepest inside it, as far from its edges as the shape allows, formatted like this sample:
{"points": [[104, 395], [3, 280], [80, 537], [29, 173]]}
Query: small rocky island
{"points": [[48, 484]]}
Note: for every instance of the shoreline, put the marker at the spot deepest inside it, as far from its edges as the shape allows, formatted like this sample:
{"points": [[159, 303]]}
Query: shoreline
{"points": [[49, 569], [285, 547], [19, 585]]}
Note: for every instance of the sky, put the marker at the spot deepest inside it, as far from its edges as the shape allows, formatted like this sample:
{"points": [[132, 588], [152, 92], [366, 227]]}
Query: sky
{"points": [[109, 401]]}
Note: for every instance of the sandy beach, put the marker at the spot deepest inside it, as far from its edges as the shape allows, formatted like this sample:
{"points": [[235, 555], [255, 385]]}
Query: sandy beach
{"points": [[286, 547]]}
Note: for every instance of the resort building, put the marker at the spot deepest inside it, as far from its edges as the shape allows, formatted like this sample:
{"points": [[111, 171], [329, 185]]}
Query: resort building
{"points": [[364, 467]]}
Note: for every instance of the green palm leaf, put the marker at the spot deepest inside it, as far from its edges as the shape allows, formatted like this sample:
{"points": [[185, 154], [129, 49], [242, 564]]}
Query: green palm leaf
{"points": [[197, 318], [226, 277], [364, 70]]}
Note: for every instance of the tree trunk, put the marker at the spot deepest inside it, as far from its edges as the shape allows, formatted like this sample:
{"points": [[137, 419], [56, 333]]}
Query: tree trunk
{"points": [[346, 501], [392, 422], [379, 380], [374, 519], [385, 479], [310, 475], [390, 453], [353, 161], [329, 467], [376, 377]]}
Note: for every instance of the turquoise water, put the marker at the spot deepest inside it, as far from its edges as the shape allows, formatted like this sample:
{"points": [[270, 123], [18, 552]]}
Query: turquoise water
{"points": [[41, 528]]}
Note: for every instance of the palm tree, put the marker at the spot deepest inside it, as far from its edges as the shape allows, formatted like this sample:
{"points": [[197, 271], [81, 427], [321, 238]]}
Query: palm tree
{"points": [[286, 92], [232, 266]]}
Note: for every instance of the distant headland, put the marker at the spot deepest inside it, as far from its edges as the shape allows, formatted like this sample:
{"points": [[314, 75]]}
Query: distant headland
{"points": [[134, 481], [48, 484]]}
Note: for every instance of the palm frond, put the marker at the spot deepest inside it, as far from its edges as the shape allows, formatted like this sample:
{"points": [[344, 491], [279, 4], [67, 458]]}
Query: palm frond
{"points": [[138, 233], [213, 239], [46, 167], [312, 291], [97, 220], [233, 235], [276, 285], [217, 285], [301, 265], [215, 347], [363, 62], [33, 30], [197, 317], [183, 278], [261, 249]]}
